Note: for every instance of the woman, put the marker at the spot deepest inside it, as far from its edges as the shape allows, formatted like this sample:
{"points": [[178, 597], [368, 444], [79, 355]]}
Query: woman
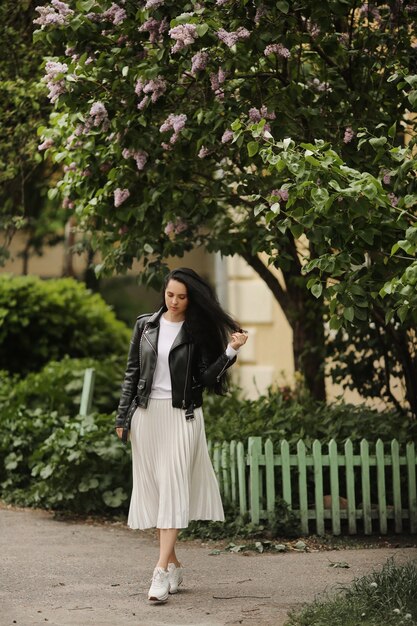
{"points": [[174, 354]]}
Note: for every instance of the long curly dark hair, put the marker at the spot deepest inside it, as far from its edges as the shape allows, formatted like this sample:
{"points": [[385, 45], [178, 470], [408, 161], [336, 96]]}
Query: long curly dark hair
{"points": [[205, 320]]}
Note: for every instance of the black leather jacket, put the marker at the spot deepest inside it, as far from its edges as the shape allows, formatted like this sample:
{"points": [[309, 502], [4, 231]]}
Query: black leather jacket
{"points": [[189, 367]]}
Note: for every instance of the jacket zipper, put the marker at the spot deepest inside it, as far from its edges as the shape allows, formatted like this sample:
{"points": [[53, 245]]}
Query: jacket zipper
{"points": [[186, 376], [149, 342], [222, 371]]}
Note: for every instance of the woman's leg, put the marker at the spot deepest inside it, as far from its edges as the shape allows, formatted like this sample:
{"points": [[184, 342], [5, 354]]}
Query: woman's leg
{"points": [[167, 540]]}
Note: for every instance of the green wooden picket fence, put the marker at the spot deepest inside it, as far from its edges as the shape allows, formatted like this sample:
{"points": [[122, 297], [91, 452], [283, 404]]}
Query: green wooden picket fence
{"points": [[355, 490]]}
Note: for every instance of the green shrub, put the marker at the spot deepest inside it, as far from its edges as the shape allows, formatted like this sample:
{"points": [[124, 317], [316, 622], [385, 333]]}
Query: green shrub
{"points": [[43, 320], [39, 407], [278, 416]]}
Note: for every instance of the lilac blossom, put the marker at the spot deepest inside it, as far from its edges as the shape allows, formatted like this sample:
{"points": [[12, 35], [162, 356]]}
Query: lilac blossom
{"points": [[72, 167], [227, 136], [150, 90], [199, 62], [349, 135], [217, 79], [184, 35], [319, 85], [175, 123], [386, 177], [203, 152], [115, 14], [175, 228], [278, 49], [155, 28], [169, 229], [67, 203], [282, 194], [393, 199], [120, 196], [154, 4], [98, 114], [260, 13], [230, 39], [55, 85], [47, 143], [56, 13], [140, 157], [369, 10], [256, 115]]}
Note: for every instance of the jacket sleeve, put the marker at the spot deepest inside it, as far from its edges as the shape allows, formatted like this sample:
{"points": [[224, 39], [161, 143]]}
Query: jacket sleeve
{"points": [[210, 373], [132, 374]]}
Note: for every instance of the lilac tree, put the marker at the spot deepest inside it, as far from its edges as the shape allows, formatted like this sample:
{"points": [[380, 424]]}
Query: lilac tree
{"points": [[147, 97]]}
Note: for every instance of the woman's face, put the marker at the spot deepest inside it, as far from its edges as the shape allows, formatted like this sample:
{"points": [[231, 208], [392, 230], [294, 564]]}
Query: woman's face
{"points": [[176, 299]]}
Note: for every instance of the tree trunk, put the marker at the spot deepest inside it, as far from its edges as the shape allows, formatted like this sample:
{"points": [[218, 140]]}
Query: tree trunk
{"points": [[304, 313]]}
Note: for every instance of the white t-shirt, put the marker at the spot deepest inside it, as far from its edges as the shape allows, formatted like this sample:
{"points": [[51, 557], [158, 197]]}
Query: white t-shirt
{"points": [[161, 386]]}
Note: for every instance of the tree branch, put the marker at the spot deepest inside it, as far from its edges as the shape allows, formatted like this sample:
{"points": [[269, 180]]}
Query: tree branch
{"points": [[271, 281]]}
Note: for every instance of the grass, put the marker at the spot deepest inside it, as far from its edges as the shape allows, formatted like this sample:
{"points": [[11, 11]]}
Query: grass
{"points": [[384, 598]]}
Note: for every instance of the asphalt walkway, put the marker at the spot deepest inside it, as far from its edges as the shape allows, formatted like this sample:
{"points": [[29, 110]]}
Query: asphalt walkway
{"points": [[64, 573]]}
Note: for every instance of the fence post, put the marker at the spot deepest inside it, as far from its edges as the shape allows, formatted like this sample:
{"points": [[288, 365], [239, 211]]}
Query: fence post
{"points": [[233, 470], [254, 451], [241, 477], [350, 487], [382, 502], [270, 478], [412, 495], [318, 487], [302, 486], [396, 485], [366, 488], [87, 392], [286, 472], [334, 486]]}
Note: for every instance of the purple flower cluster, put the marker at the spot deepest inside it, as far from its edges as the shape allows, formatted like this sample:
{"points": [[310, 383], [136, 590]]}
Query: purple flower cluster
{"points": [[393, 199], [260, 13], [175, 228], [349, 135], [99, 115], [282, 194], [370, 11], [199, 62], [154, 4], [155, 28], [55, 84], [115, 14], [47, 143], [175, 123], [120, 195], [56, 13], [150, 90], [386, 177], [256, 115], [278, 49], [230, 39], [216, 80], [184, 35], [140, 157], [227, 136], [318, 85], [203, 152]]}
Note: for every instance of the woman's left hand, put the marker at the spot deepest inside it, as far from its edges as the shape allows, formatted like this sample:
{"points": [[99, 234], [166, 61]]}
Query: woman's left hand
{"points": [[237, 340]]}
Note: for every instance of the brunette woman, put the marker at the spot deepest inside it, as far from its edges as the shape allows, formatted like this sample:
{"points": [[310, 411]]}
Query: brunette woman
{"points": [[175, 353]]}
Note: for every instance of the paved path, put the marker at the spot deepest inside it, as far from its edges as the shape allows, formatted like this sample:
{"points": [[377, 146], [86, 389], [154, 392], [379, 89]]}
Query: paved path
{"points": [[64, 574]]}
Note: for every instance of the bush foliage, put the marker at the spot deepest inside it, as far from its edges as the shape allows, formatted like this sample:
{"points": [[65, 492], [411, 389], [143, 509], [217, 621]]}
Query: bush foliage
{"points": [[42, 321]]}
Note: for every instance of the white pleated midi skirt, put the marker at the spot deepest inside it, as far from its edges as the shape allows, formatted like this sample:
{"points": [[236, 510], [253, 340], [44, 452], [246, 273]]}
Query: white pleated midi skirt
{"points": [[173, 478]]}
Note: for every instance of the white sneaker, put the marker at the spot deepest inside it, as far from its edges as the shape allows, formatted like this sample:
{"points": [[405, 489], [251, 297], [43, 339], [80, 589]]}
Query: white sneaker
{"points": [[175, 577], [159, 589]]}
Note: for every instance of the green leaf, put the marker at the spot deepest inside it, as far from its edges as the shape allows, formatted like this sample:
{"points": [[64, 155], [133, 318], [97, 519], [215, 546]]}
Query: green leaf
{"points": [[253, 148], [202, 29], [283, 6], [276, 208], [402, 312], [258, 209], [317, 290], [378, 142], [148, 248], [349, 313]]}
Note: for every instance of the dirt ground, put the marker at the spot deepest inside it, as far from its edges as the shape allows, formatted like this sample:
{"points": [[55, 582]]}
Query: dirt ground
{"points": [[66, 573]]}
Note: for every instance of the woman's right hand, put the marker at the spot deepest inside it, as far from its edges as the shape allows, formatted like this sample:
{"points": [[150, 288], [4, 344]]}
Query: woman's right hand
{"points": [[119, 432]]}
